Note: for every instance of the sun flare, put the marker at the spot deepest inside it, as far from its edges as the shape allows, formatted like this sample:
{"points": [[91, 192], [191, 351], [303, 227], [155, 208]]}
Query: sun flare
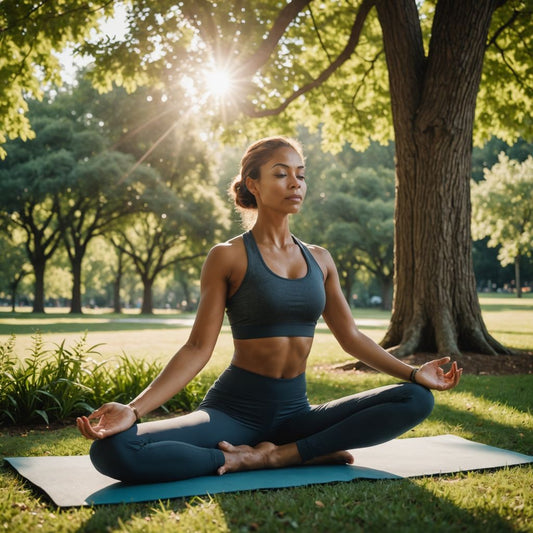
{"points": [[219, 81]]}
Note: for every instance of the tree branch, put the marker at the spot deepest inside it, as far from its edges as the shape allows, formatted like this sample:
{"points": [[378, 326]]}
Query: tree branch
{"points": [[35, 8], [318, 36], [494, 38], [267, 46], [504, 26], [355, 33]]}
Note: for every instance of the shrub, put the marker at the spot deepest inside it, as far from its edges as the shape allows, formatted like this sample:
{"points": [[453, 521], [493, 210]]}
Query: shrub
{"points": [[55, 385]]}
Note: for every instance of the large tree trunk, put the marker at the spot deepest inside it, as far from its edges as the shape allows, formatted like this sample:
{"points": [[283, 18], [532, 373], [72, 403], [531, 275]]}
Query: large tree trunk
{"points": [[435, 307]]}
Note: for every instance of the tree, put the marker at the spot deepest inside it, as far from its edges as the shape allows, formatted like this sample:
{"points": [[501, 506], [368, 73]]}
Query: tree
{"points": [[503, 212], [29, 186], [13, 265], [434, 54], [349, 209], [361, 226], [329, 62], [82, 187], [178, 231], [30, 33]]}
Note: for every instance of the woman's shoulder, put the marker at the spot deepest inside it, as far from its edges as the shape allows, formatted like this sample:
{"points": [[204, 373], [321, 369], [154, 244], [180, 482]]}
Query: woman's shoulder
{"points": [[320, 254], [227, 251]]}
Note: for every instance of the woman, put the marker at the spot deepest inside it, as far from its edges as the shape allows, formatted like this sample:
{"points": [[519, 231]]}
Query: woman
{"points": [[256, 415]]}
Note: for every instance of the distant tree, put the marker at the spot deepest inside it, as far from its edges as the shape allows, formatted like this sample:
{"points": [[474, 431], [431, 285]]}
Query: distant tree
{"points": [[503, 211], [13, 265], [172, 229], [65, 187], [29, 188], [352, 213]]}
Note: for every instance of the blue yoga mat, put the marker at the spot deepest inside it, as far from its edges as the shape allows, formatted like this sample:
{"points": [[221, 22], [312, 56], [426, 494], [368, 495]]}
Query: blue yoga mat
{"points": [[72, 480]]}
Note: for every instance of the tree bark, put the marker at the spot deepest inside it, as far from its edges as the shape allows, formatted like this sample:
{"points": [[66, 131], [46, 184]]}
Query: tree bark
{"points": [[435, 305], [117, 307], [75, 303], [147, 307], [38, 297], [518, 281]]}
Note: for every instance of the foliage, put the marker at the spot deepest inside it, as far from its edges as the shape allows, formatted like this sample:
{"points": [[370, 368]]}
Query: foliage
{"points": [[276, 55], [13, 264], [502, 208], [56, 385], [30, 33], [350, 210]]}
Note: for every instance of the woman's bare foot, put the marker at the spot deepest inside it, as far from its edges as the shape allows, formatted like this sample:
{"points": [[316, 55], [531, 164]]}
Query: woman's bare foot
{"points": [[269, 455], [335, 458], [245, 457]]}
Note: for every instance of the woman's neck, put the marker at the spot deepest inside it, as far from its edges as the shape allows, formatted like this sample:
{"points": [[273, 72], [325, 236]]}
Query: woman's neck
{"points": [[268, 231]]}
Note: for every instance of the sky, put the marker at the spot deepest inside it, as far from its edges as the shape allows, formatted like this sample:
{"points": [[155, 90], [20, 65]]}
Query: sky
{"points": [[114, 27]]}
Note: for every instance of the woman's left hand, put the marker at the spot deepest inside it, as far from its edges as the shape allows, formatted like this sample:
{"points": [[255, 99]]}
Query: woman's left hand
{"points": [[432, 376]]}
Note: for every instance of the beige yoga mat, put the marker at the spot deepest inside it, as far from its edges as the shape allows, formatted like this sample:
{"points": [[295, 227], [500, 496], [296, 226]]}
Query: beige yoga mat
{"points": [[72, 480]]}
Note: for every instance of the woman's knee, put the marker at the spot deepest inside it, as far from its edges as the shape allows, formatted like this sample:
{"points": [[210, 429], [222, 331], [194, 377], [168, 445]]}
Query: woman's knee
{"points": [[110, 457], [422, 399]]}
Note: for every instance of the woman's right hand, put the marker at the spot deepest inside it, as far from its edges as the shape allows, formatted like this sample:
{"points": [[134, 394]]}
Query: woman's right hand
{"points": [[112, 418]]}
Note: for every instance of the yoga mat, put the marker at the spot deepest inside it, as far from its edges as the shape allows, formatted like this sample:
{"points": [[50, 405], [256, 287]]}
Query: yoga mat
{"points": [[72, 480]]}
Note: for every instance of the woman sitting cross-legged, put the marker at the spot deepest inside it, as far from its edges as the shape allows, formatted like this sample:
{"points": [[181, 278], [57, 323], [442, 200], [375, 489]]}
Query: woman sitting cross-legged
{"points": [[256, 415]]}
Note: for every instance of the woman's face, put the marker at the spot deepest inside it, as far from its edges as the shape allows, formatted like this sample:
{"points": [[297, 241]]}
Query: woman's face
{"points": [[281, 185]]}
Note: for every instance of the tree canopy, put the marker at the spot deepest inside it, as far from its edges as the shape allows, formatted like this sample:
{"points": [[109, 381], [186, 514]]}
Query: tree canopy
{"points": [[270, 55], [434, 75], [31, 35], [502, 210]]}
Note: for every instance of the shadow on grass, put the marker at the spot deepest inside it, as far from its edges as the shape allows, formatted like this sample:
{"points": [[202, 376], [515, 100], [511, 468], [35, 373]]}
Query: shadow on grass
{"points": [[485, 430], [506, 305], [399, 505], [514, 390], [82, 327]]}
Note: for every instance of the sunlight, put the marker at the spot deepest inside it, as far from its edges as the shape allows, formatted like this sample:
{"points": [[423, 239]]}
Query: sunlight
{"points": [[219, 81]]}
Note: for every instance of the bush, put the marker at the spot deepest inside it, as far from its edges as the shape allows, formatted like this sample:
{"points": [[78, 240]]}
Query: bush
{"points": [[56, 385]]}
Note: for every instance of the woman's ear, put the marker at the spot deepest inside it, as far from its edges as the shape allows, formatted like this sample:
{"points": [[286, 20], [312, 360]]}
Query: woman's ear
{"points": [[251, 185]]}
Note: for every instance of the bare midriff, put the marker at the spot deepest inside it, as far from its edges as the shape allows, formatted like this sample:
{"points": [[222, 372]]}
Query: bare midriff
{"points": [[275, 357]]}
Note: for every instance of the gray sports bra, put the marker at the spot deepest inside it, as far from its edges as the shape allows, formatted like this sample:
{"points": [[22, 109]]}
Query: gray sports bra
{"points": [[268, 305]]}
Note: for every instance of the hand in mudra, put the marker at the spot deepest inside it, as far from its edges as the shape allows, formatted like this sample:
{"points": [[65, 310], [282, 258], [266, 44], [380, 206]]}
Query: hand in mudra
{"points": [[111, 418], [432, 376]]}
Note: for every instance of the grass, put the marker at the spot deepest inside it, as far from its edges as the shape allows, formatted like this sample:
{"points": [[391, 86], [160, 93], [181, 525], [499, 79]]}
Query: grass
{"points": [[507, 318], [488, 409], [494, 410]]}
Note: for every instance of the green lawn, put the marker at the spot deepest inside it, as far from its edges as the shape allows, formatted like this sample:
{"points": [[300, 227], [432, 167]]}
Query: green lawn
{"points": [[495, 410], [508, 318]]}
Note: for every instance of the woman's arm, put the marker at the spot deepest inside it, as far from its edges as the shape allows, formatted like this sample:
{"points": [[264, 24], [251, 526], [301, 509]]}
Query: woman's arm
{"points": [[197, 350], [184, 365], [338, 317]]}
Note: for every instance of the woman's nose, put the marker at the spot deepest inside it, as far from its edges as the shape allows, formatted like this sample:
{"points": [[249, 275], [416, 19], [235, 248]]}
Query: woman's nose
{"points": [[293, 181]]}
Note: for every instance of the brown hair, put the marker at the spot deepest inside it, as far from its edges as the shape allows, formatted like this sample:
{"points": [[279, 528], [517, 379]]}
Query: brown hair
{"points": [[255, 156]]}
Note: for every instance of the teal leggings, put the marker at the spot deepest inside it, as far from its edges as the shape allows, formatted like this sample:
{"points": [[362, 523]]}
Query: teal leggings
{"points": [[246, 408]]}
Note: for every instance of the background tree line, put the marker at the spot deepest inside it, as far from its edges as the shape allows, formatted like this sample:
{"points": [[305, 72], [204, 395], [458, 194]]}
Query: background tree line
{"points": [[436, 76], [119, 192]]}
